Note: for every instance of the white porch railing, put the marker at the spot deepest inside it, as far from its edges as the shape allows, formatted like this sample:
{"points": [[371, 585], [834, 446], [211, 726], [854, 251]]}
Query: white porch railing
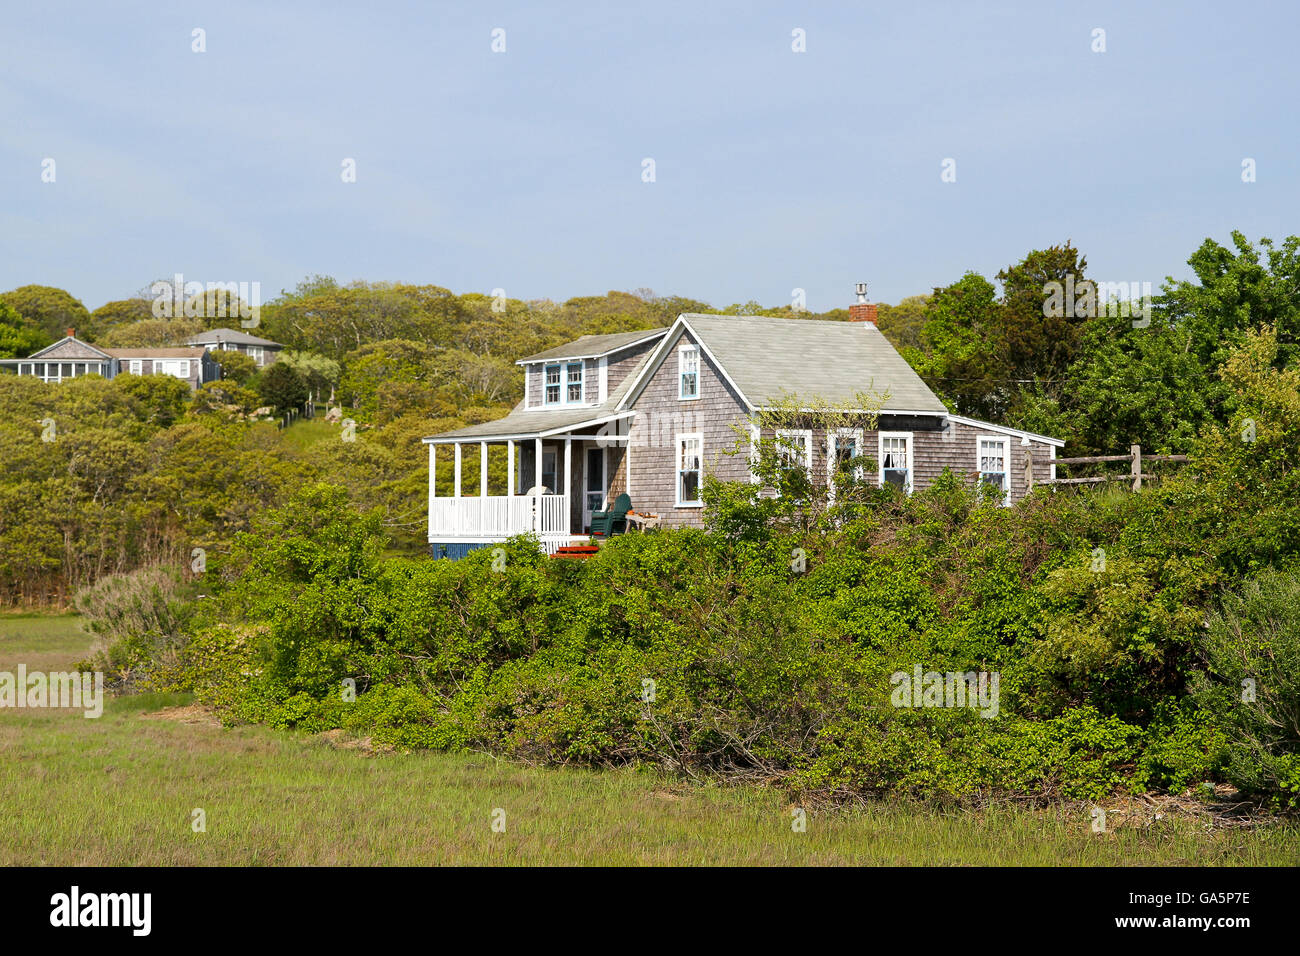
{"points": [[498, 517]]}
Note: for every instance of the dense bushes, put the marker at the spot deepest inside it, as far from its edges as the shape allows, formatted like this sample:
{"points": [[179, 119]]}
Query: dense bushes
{"points": [[709, 656], [772, 648]]}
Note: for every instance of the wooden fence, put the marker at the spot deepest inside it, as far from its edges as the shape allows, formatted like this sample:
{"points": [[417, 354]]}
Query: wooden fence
{"points": [[1135, 458]]}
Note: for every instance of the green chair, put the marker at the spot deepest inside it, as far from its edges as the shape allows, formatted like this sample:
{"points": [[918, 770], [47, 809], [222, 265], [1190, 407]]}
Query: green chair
{"points": [[606, 524]]}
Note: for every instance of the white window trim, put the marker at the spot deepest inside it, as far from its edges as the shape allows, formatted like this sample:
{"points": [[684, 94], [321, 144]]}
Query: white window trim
{"points": [[1005, 442], [677, 469], [880, 457], [755, 435], [857, 435], [806, 435], [602, 369], [681, 371]]}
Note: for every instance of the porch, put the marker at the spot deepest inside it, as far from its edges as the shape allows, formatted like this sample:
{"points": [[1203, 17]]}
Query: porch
{"points": [[553, 481]]}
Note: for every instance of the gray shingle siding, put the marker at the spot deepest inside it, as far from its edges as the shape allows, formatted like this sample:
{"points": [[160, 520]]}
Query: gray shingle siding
{"points": [[662, 416]]}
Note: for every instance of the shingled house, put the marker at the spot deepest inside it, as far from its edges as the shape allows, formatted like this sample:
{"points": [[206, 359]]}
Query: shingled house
{"points": [[262, 351], [70, 357], [650, 413]]}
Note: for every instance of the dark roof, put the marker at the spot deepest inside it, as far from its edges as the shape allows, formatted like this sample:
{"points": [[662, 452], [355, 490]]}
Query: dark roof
{"points": [[213, 336]]}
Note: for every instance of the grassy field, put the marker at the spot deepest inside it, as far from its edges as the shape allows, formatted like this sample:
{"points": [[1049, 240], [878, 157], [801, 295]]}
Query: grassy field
{"points": [[123, 789]]}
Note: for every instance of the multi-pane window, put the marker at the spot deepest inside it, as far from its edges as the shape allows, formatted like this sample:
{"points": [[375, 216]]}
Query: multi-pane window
{"points": [[688, 369], [993, 465], [690, 455], [552, 395], [573, 379], [847, 449], [896, 460], [794, 448]]}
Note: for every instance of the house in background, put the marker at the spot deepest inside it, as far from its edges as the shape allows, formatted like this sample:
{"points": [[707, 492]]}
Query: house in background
{"points": [[67, 358], [650, 413], [262, 351], [70, 357], [194, 365]]}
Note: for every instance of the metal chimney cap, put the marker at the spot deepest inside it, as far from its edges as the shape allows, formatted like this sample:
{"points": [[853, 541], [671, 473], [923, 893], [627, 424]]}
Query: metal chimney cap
{"points": [[862, 292]]}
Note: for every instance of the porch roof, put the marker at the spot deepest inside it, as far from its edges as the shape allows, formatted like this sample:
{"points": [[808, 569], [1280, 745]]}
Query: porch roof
{"points": [[522, 424]]}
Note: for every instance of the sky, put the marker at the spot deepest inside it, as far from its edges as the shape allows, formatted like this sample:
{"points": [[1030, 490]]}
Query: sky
{"points": [[524, 170]]}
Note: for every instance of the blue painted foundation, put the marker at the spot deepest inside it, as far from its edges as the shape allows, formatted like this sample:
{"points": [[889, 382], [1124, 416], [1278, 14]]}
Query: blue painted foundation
{"points": [[455, 550]]}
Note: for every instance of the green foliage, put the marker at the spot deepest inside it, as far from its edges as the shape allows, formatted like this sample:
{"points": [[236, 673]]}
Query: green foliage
{"points": [[19, 336], [138, 619], [1252, 684], [237, 367], [53, 311], [282, 388]]}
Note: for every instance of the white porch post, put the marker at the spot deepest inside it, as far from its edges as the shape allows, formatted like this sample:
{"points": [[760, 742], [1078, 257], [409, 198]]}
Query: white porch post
{"points": [[537, 498], [568, 481], [627, 462], [482, 469], [457, 492], [433, 482], [510, 468]]}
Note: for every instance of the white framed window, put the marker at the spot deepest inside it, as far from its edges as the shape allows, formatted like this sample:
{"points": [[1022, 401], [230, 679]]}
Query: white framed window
{"points": [[136, 366], [895, 457], [573, 383], [690, 469], [255, 353], [688, 372], [993, 461], [794, 448], [846, 445], [551, 385]]}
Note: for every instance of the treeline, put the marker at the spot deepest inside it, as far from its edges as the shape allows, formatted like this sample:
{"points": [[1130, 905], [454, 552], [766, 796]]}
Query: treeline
{"points": [[1140, 641], [406, 361]]}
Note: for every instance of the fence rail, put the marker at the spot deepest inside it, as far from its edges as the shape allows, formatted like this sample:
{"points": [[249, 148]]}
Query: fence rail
{"points": [[1135, 458]]}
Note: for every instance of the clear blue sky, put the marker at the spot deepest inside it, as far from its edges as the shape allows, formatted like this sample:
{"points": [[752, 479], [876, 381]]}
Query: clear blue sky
{"points": [[523, 170]]}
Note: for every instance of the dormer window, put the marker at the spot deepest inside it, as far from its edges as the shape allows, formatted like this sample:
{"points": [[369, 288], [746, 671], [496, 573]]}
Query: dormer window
{"points": [[688, 372], [552, 385]]}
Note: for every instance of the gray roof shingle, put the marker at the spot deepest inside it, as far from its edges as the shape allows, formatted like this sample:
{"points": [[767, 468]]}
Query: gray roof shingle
{"points": [[213, 336], [592, 346]]}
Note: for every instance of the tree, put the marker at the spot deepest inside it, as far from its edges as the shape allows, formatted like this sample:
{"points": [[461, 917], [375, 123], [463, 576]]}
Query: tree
{"points": [[150, 333], [319, 372], [19, 336], [282, 387], [902, 323], [238, 367], [1035, 342], [53, 310], [959, 358], [121, 312]]}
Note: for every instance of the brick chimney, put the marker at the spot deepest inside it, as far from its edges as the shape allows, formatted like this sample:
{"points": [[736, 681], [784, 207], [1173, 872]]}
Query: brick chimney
{"points": [[72, 333], [863, 311]]}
